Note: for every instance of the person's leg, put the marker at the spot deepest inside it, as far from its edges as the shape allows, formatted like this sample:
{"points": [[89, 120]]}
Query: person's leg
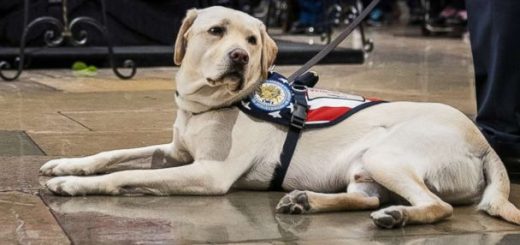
{"points": [[310, 11], [309, 14], [495, 41], [416, 12]]}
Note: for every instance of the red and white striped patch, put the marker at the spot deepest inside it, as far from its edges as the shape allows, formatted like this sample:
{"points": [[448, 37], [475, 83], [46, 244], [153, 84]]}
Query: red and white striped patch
{"points": [[326, 106]]}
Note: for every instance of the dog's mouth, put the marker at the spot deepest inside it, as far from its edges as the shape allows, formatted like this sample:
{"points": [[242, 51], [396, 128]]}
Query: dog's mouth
{"points": [[233, 79]]}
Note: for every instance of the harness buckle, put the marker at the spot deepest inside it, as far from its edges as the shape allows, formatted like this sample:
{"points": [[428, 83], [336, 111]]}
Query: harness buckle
{"points": [[298, 116]]}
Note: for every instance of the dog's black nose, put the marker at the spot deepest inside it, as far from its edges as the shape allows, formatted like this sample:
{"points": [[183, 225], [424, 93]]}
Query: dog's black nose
{"points": [[239, 56]]}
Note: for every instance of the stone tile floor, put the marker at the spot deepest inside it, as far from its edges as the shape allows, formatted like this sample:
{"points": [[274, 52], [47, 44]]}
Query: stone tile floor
{"points": [[50, 113]]}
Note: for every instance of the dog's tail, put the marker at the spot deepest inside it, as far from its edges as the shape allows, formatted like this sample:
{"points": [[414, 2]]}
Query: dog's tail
{"points": [[495, 198]]}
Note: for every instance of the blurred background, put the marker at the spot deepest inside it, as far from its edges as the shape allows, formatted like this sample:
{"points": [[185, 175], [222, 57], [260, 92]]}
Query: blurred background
{"points": [[144, 30]]}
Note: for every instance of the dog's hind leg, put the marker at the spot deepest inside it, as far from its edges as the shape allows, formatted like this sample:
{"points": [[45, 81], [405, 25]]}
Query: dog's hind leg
{"points": [[392, 172], [99, 162], [362, 194], [359, 197]]}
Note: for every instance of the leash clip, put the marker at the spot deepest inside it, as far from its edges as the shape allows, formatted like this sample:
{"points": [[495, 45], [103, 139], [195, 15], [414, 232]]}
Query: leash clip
{"points": [[307, 79]]}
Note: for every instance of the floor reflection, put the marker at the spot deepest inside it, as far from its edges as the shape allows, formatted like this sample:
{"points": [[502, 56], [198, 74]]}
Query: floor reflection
{"points": [[249, 216]]}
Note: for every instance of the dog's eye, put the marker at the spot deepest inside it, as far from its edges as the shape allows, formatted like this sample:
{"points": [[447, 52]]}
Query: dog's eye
{"points": [[216, 30], [251, 40]]}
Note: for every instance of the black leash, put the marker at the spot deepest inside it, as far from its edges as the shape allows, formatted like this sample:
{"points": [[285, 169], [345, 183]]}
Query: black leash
{"points": [[301, 79]]}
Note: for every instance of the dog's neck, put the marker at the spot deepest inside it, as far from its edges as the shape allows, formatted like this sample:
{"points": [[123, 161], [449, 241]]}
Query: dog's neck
{"points": [[192, 105], [188, 105]]}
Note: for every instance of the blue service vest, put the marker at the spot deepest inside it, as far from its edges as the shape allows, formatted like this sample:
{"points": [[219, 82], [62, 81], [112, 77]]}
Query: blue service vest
{"points": [[274, 102]]}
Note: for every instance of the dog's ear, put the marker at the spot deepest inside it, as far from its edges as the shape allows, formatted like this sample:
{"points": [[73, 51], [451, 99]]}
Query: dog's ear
{"points": [[181, 42], [269, 51]]}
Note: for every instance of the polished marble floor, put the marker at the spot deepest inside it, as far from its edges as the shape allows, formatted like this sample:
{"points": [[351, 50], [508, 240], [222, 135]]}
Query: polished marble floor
{"points": [[51, 113]]}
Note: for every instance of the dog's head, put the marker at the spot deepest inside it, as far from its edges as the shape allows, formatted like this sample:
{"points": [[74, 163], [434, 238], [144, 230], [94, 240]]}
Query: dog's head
{"points": [[223, 55]]}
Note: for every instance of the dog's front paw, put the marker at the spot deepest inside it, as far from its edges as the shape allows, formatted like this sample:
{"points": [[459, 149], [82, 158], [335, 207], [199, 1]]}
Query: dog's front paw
{"points": [[390, 217], [78, 186], [66, 166], [296, 202], [66, 186]]}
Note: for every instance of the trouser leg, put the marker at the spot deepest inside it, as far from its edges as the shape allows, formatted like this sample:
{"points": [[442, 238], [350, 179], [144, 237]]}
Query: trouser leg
{"points": [[495, 40]]}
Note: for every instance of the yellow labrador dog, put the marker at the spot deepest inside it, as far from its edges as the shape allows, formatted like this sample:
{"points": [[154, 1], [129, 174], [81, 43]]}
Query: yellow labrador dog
{"points": [[429, 156]]}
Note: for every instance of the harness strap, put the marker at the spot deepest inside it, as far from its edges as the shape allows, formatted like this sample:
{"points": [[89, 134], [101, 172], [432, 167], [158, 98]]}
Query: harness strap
{"points": [[293, 135]]}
